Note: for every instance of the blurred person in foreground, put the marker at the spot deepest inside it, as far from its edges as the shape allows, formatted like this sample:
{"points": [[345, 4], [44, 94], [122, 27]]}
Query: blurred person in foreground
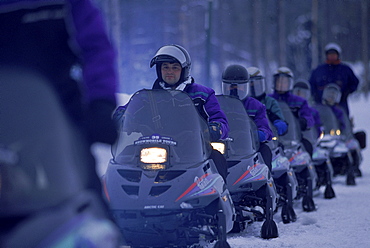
{"points": [[63, 44]]}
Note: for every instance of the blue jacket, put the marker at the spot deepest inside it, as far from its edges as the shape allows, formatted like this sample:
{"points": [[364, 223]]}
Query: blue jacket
{"points": [[257, 111], [298, 105], [340, 74]]}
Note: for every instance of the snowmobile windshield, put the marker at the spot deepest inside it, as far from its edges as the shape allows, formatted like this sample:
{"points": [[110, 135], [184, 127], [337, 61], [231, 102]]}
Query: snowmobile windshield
{"points": [[294, 132], [328, 118], [167, 120], [243, 133]]}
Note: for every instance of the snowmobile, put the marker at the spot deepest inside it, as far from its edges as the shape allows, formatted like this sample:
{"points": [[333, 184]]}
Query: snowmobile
{"points": [[333, 140], [249, 180], [300, 159], [163, 189], [285, 179], [321, 160], [45, 197], [352, 143]]}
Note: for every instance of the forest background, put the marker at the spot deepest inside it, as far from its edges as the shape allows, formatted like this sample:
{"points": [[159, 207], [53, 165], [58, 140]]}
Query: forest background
{"points": [[263, 33]]}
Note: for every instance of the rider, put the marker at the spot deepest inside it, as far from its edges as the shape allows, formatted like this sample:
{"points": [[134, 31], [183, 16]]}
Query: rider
{"points": [[173, 66], [331, 96], [283, 85], [257, 90], [235, 80]]}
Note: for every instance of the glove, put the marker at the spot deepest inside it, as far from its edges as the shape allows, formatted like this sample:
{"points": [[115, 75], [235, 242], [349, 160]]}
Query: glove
{"points": [[214, 131], [261, 135], [281, 127], [99, 124], [303, 123]]}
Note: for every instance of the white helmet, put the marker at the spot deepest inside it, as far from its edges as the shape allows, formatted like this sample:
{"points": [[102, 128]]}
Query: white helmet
{"points": [[257, 84], [172, 53], [333, 46], [283, 80], [331, 94]]}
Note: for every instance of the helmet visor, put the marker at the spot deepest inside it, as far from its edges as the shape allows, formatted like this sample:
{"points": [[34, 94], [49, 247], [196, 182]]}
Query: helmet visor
{"points": [[283, 83], [305, 93], [237, 90], [331, 95], [167, 52], [256, 86]]}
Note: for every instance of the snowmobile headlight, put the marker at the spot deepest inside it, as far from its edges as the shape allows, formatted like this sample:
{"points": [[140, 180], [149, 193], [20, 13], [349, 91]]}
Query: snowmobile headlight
{"points": [[219, 146], [153, 155], [321, 135], [337, 132], [274, 138]]}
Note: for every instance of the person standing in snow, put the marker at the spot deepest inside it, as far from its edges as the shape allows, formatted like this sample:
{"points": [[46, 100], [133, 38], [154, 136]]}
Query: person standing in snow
{"points": [[173, 66], [257, 90], [235, 82], [333, 71]]}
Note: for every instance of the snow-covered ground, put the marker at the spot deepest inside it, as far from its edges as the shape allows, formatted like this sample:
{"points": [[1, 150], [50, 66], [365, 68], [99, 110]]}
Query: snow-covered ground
{"points": [[342, 222]]}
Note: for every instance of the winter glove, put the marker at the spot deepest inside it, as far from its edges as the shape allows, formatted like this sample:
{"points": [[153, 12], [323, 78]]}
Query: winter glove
{"points": [[214, 131], [99, 124], [281, 127], [261, 135], [303, 123]]}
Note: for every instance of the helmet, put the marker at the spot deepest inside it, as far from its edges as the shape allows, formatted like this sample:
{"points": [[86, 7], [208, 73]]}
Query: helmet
{"points": [[333, 46], [172, 54], [234, 81], [257, 84], [331, 94], [283, 80], [302, 88]]}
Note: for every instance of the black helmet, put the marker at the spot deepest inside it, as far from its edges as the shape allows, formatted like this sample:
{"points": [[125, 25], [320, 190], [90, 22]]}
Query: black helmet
{"points": [[302, 88], [172, 54], [234, 81]]}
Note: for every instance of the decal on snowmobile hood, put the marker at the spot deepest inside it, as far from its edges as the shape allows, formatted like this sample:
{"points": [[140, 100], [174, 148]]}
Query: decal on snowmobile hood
{"points": [[201, 186], [155, 139]]}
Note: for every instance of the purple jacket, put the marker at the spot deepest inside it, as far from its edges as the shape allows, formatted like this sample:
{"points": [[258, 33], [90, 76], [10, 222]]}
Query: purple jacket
{"points": [[298, 105], [78, 37], [257, 111], [206, 103], [340, 74], [317, 120], [338, 112]]}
